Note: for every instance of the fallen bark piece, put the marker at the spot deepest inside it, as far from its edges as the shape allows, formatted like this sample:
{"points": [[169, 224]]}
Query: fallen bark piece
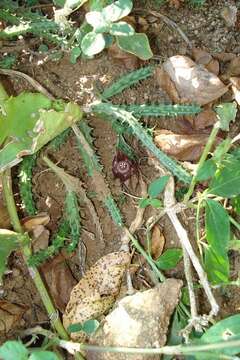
{"points": [[139, 320], [193, 82]]}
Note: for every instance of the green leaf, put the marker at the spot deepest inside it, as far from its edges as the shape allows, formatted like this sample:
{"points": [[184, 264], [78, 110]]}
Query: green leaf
{"points": [[92, 43], [207, 170], [217, 226], [43, 355], [224, 330], [226, 113], [9, 241], [216, 266], [156, 203], [157, 186], [75, 53], [226, 182], [29, 122], [90, 326], [73, 328], [136, 44], [97, 21], [221, 150], [121, 28], [169, 259], [117, 10], [13, 350]]}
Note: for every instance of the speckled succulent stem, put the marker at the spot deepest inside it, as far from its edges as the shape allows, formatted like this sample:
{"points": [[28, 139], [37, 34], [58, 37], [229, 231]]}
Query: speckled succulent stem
{"points": [[26, 250]]}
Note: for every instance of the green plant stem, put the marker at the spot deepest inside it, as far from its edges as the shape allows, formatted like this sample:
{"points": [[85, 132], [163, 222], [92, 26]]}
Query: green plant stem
{"points": [[26, 249], [204, 155], [234, 222], [145, 255]]}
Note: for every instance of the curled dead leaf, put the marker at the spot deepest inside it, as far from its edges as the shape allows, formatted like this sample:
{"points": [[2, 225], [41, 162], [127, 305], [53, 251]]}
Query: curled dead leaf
{"points": [[96, 291], [157, 242], [139, 320], [31, 222], [213, 67], [205, 119], [59, 279], [165, 82], [182, 147], [193, 82], [201, 56], [10, 315]]}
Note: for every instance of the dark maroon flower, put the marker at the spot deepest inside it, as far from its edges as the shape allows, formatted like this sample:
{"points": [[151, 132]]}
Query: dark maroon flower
{"points": [[123, 167]]}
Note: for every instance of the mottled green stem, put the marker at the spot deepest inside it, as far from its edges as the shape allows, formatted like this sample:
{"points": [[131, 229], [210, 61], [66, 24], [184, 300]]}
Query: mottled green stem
{"points": [[26, 249]]}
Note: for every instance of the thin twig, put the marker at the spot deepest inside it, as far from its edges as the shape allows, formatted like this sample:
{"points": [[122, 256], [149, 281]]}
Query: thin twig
{"points": [[28, 78], [169, 22]]}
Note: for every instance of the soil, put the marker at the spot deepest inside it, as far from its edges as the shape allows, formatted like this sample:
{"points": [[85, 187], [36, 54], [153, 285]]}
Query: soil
{"points": [[206, 29]]}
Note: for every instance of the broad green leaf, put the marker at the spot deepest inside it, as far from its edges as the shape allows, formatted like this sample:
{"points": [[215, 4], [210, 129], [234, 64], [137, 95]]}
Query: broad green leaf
{"points": [[97, 21], [121, 28], [92, 43], [217, 226], [20, 114], [136, 44], [224, 330], [13, 350], [156, 203], [216, 266], [169, 259], [90, 326], [157, 186], [30, 122], [43, 355], [226, 113], [74, 328], [9, 241], [75, 53], [226, 182], [117, 10], [207, 170]]}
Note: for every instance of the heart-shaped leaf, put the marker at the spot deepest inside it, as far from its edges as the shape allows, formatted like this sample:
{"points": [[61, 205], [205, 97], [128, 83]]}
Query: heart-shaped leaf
{"points": [[136, 44]]}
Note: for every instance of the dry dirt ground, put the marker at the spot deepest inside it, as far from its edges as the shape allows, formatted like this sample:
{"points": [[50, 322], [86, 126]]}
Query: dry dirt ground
{"points": [[205, 28]]}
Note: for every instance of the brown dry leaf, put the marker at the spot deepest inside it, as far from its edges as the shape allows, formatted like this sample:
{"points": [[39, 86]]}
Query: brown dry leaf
{"points": [[165, 82], [193, 82], [157, 242], [31, 222], [59, 279], [213, 67], [96, 291], [236, 88], [234, 67], [139, 320], [205, 119], [201, 56], [40, 238], [130, 61], [176, 3], [10, 315], [182, 147]]}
